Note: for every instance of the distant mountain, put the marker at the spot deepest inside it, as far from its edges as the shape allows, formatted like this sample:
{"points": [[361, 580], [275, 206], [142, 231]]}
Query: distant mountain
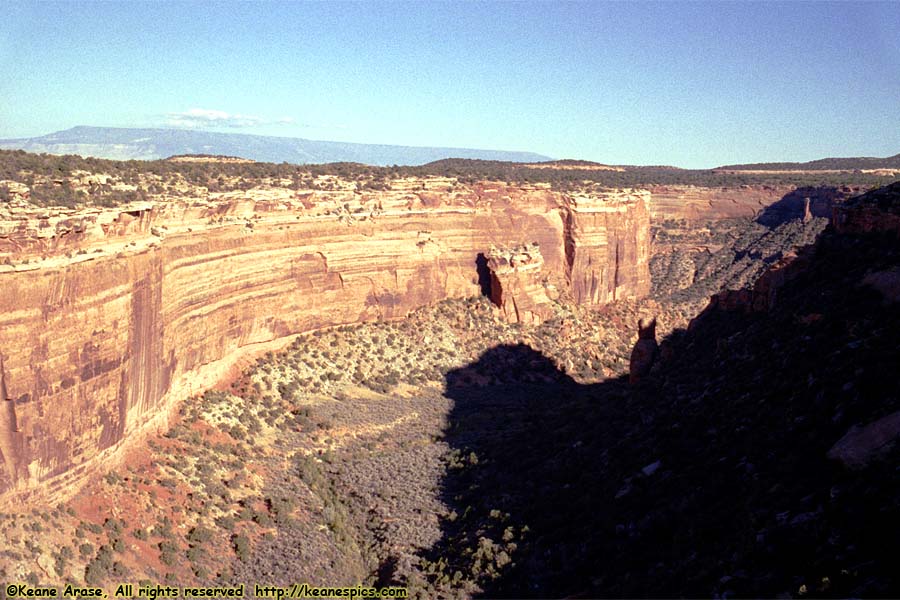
{"points": [[148, 144], [824, 164]]}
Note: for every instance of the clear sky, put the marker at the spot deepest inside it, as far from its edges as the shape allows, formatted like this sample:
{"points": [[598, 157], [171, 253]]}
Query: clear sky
{"points": [[688, 84]]}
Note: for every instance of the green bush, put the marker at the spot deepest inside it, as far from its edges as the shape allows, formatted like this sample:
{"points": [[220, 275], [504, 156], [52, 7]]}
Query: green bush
{"points": [[241, 545]]}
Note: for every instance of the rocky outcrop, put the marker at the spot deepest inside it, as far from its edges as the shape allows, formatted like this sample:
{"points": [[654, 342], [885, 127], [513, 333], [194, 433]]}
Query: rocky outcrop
{"points": [[13, 191], [645, 352], [875, 211], [109, 317], [886, 282], [860, 445], [517, 284]]}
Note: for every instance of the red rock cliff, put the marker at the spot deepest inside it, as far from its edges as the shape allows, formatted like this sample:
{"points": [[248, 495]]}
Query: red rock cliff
{"points": [[746, 201], [699, 203], [109, 317], [875, 211], [517, 286], [607, 247]]}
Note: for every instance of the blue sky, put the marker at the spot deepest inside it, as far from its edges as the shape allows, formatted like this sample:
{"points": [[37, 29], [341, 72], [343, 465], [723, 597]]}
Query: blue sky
{"points": [[688, 84]]}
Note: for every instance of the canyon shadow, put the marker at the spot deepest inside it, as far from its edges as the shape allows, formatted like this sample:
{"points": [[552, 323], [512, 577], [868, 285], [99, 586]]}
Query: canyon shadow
{"points": [[710, 477]]}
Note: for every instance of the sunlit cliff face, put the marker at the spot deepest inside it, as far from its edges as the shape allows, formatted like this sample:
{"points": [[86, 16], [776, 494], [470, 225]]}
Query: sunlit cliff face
{"points": [[111, 316]]}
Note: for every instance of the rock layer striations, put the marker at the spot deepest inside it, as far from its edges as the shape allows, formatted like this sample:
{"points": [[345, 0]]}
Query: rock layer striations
{"points": [[517, 284], [109, 316], [771, 204]]}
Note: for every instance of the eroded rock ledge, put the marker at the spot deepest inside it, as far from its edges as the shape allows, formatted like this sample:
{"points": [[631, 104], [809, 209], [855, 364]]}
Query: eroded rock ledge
{"points": [[518, 285], [108, 317]]}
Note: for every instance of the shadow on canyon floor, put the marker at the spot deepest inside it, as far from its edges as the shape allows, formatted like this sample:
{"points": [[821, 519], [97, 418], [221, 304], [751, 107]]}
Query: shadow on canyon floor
{"points": [[791, 205], [710, 478]]}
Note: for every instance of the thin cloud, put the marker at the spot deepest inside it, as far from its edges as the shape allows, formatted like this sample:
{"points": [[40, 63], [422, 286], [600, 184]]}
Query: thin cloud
{"points": [[196, 118], [207, 118]]}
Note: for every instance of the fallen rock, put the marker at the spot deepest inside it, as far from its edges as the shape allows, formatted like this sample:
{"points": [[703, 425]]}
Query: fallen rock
{"points": [[887, 283], [860, 445], [651, 468]]}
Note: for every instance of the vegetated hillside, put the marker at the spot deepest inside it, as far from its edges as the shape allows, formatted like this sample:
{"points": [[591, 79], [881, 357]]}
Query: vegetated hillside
{"points": [[637, 176], [692, 260], [849, 164], [571, 162], [728, 254], [321, 463], [148, 144], [71, 180]]}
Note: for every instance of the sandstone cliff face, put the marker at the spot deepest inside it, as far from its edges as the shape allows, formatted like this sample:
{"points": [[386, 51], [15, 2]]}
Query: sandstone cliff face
{"points": [[775, 203], [109, 317], [607, 247], [701, 203], [517, 286]]}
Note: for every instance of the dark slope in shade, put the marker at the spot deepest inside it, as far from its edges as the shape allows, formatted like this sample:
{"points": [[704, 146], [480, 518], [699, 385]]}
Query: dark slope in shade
{"points": [[716, 476]]}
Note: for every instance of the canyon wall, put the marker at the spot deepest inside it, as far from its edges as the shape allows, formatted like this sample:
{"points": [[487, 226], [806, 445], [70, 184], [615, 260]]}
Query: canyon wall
{"points": [[772, 204], [109, 317], [701, 203], [875, 211]]}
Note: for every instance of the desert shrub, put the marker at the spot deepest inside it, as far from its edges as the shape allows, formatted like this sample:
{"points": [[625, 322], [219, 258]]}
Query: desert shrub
{"points": [[195, 554], [168, 552], [98, 569], [241, 545], [163, 528], [199, 535], [262, 519], [59, 564], [281, 508]]}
